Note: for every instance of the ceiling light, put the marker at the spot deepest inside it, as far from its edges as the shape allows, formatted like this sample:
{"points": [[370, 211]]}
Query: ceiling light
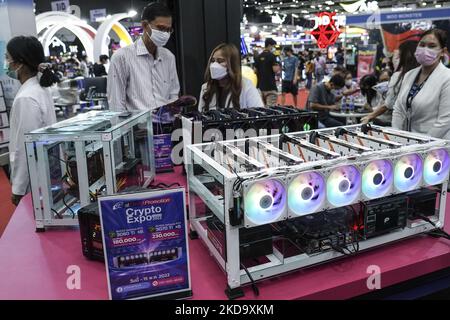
{"points": [[132, 13]]}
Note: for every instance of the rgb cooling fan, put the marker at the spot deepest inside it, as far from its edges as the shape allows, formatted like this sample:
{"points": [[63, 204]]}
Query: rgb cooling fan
{"points": [[343, 186], [377, 179], [265, 202], [306, 193], [436, 167], [408, 172]]}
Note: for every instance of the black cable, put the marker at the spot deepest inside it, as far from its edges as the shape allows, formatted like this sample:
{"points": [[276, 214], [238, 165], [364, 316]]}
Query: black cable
{"points": [[67, 206], [426, 219], [254, 287], [57, 214], [340, 250], [55, 157], [438, 231], [439, 234], [162, 185]]}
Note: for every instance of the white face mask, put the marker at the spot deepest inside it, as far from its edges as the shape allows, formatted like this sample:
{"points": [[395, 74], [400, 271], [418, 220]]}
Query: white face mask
{"points": [[348, 83], [159, 38], [218, 71]]}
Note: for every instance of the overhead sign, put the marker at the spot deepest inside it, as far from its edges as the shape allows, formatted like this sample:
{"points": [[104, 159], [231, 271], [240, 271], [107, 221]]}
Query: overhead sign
{"points": [[360, 6], [98, 15], [61, 5], [145, 245], [326, 32], [401, 16], [339, 21]]}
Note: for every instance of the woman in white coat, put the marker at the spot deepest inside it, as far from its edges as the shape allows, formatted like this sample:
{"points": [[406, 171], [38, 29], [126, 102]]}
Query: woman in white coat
{"points": [[32, 107], [423, 102], [225, 87]]}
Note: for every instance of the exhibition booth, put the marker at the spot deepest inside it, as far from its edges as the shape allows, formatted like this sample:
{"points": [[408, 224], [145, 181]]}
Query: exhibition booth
{"points": [[252, 203]]}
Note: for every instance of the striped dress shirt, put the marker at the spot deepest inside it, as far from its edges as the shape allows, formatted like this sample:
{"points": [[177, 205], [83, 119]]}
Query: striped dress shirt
{"points": [[138, 82]]}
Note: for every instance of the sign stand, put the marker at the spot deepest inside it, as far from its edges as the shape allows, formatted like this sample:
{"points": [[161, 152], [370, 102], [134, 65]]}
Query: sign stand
{"points": [[145, 245]]}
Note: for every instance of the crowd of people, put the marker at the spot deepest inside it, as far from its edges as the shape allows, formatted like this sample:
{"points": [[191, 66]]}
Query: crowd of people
{"points": [[408, 92], [410, 96], [71, 66], [143, 76]]}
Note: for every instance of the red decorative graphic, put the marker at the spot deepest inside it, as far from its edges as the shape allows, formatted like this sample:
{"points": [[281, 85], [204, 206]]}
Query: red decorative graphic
{"points": [[326, 34]]}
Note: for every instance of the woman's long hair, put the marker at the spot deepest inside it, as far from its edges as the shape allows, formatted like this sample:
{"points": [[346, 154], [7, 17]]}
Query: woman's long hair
{"points": [[367, 82], [407, 60], [234, 85]]}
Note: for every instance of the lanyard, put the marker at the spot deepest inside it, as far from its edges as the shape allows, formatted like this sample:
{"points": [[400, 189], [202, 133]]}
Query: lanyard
{"points": [[413, 92]]}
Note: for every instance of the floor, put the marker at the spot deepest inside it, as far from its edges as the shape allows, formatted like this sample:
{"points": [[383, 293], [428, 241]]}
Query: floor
{"points": [[6, 207], [302, 98]]}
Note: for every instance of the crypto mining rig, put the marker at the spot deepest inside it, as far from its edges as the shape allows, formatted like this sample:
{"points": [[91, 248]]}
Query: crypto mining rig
{"points": [[274, 204], [228, 124], [73, 162]]}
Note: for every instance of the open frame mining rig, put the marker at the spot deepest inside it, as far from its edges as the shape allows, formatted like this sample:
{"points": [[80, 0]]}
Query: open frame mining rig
{"points": [[73, 162], [228, 124], [269, 205]]}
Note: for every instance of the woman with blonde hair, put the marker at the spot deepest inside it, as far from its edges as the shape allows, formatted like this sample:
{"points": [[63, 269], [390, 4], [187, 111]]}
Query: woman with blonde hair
{"points": [[224, 85]]}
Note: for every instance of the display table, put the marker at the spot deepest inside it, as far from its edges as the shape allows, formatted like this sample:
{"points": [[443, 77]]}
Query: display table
{"points": [[33, 265]]}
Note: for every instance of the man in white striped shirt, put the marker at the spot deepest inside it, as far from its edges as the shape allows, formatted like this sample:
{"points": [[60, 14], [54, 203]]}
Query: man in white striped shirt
{"points": [[143, 76]]}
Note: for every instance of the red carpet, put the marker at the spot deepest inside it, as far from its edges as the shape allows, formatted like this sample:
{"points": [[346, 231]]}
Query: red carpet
{"points": [[302, 98], [6, 207]]}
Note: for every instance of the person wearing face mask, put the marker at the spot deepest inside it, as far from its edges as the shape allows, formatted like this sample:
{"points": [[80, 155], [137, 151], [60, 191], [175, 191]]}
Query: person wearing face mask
{"points": [[422, 104], [32, 108], [266, 68], [403, 61], [225, 87], [374, 90], [143, 76], [351, 87], [322, 98]]}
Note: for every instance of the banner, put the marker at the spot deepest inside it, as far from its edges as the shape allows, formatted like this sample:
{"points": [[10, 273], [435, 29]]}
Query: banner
{"points": [[98, 15], [145, 245], [62, 5], [401, 16], [366, 61]]}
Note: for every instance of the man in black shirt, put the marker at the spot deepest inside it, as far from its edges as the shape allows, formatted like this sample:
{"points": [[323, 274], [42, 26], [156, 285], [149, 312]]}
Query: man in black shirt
{"points": [[267, 67], [99, 68], [322, 98]]}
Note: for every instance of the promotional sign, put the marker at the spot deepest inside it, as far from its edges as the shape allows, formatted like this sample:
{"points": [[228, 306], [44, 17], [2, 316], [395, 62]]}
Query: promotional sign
{"points": [[62, 5], [145, 245], [163, 152], [360, 6], [401, 16], [366, 61], [325, 30], [98, 15]]}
